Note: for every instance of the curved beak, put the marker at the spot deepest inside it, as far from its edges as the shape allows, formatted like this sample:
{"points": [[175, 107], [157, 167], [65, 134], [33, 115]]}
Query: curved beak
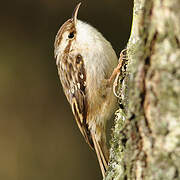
{"points": [[75, 13]]}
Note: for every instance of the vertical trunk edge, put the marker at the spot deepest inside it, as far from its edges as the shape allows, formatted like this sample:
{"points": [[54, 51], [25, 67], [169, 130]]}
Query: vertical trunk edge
{"points": [[146, 134]]}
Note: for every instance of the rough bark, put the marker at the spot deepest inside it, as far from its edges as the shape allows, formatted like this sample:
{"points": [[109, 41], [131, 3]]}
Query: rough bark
{"points": [[146, 135]]}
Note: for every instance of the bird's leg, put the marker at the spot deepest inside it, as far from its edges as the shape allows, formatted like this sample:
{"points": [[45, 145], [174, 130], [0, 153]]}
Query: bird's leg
{"points": [[117, 70], [115, 74]]}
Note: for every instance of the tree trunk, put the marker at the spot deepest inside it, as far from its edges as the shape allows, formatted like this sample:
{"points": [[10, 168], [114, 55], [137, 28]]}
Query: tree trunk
{"points": [[146, 135]]}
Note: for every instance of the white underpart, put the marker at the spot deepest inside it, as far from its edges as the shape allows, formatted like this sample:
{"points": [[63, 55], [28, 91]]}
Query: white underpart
{"points": [[100, 60]]}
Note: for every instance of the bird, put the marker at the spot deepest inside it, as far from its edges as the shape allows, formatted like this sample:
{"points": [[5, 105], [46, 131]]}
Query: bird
{"points": [[87, 67]]}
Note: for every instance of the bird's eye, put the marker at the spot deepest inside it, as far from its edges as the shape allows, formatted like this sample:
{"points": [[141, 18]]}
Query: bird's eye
{"points": [[71, 35]]}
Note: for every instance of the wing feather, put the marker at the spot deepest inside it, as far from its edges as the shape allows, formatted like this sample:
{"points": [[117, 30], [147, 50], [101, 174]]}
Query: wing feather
{"points": [[73, 79]]}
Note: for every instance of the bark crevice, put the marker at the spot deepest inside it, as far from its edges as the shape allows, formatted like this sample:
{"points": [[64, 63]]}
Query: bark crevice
{"points": [[145, 143]]}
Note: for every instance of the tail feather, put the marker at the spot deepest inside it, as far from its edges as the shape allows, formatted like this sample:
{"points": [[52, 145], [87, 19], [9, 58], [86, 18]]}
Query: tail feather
{"points": [[102, 158]]}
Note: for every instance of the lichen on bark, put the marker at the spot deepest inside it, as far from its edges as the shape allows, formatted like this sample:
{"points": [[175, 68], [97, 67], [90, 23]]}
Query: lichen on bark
{"points": [[146, 134]]}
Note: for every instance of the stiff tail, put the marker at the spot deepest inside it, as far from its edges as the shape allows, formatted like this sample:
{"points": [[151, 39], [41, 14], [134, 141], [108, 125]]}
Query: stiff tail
{"points": [[102, 157]]}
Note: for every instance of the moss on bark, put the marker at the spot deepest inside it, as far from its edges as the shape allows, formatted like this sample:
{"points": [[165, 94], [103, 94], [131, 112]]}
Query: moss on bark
{"points": [[146, 135]]}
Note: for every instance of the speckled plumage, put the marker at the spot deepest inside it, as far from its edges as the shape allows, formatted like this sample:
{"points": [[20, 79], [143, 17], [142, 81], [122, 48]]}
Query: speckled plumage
{"points": [[85, 62]]}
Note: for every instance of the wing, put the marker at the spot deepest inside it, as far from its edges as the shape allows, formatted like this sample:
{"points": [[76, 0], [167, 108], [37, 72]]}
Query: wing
{"points": [[73, 79], [79, 105]]}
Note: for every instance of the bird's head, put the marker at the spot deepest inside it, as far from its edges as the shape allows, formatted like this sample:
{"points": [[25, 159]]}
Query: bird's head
{"points": [[67, 33]]}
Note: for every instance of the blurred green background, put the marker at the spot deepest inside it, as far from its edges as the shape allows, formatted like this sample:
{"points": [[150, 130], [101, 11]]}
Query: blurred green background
{"points": [[39, 138]]}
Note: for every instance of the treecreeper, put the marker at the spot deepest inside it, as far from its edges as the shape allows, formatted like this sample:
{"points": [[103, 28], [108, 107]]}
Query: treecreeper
{"points": [[87, 67]]}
